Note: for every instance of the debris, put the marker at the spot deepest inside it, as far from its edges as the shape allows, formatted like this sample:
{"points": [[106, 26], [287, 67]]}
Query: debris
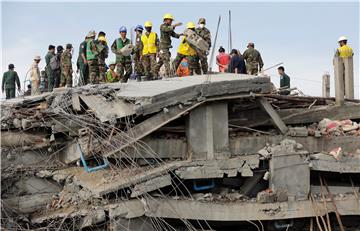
{"points": [[337, 153]]}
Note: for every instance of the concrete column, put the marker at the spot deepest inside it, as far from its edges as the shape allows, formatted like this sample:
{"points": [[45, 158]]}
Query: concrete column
{"points": [[326, 85], [339, 80], [208, 133], [349, 77]]}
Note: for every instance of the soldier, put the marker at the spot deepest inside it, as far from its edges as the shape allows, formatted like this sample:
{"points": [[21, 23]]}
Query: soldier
{"points": [[166, 32], [56, 62], [186, 51], [92, 58], [137, 53], [150, 45], [66, 67], [35, 76], [254, 62], [49, 72], [81, 64], [8, 82], [204, 33], [123, 61], [111, 75], [103, 50]]}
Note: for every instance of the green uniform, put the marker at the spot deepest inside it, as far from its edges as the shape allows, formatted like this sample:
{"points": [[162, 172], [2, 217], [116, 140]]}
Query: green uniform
{"points": [[49, 72], [84, 74], [139, 70], [205, 34], [66, 69], [103, 50], [10, 78], [166, 32], [254, 61], [284, 81], [92, 59], [123, 63]]}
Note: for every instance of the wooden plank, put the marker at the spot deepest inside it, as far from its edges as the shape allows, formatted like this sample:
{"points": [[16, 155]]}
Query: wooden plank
{"points": [[275, 118], [145, 128], [107, 110]]}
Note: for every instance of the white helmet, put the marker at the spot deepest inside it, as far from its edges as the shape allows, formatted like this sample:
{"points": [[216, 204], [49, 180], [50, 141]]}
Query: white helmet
{"points": [[342, 38]]}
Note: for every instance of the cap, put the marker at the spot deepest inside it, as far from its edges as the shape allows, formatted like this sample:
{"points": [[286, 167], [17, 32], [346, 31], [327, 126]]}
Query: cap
{"points": [[202, 21], [37, 57], [69, 46], [11, 66]]}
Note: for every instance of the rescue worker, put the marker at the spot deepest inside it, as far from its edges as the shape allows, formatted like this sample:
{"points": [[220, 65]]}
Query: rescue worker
{"points": [[66, 67], [57, 72], [150, 46], [81, 64], [103, 50], [344, 51], [284, 81], [137, 52], [123, 61], [92, 58], [237, 63], [186, 51], [183, 69], [254, 62], [49, 72], [10, 78], [111, 75], [204, 33], [35, 76], [222, 60], [166, 32]]}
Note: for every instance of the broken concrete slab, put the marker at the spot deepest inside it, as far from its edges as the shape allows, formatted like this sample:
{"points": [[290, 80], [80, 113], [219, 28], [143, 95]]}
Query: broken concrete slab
{"points": [[151, 185], [327, 163], [29, 203]]}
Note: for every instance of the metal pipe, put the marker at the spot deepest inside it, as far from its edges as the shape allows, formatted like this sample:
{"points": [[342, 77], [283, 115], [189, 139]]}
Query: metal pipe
{"points": [[214, 45]]}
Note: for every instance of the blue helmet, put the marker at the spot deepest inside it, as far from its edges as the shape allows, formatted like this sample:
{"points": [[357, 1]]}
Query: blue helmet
{"points": [[139, 27], [122, 29]]}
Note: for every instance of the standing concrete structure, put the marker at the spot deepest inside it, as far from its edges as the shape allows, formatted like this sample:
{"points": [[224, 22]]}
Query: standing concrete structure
{"points": [[348, 77], [326, 85], [339, 80]]}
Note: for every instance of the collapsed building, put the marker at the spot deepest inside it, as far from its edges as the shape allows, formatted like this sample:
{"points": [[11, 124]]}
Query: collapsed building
{"points": [[214, 152]]}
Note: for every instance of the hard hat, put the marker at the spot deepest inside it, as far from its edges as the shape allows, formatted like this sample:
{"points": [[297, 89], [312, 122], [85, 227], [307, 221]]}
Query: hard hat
{"points": [[91, 34], [190, 25], [148, 24], [342, 38], [168, 16], [122, 29], [202, 21], [139, 28], [69, 46], [37, 57], [11, 66]]}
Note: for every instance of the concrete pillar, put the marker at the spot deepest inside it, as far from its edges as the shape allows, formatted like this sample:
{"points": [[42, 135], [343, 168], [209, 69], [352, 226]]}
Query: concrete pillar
{"points": [[339, 80], [326, 85], [208, 132], [349, 77]]}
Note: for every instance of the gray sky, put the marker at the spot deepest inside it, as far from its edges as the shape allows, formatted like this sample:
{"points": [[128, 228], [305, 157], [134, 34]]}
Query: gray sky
{"points": [[303, 35]]}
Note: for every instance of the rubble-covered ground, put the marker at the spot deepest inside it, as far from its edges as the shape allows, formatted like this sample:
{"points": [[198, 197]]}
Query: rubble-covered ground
{"points": [[217, 152]]}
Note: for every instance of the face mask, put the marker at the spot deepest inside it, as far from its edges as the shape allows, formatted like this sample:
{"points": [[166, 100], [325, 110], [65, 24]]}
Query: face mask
{"points": [[202, 25]]}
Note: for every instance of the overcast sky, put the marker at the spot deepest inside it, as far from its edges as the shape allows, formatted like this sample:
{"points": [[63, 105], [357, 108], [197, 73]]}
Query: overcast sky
{"points": [[302, 35]]}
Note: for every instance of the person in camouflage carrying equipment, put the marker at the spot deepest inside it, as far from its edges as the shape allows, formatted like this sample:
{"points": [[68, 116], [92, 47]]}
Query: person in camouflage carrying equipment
{"points": [[66, 67], [103, 50], [10, 78], [123, 62], [92, 58], [166, 32], [150, 46], [204, 33], [186, 51], [139, 71], [254, 62]]}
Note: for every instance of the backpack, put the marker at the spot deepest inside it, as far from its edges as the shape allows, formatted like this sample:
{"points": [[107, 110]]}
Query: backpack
{"points": [[54, 63]]}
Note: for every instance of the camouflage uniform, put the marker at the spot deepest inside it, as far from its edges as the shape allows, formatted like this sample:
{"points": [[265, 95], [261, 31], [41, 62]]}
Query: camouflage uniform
{"points": [[103, 50], [92, 60], [187, 51], [49, 72], [66, 69], [253, 61], [205, 34], [166, 32], [123, 63], [137, 57], [149, 61], [83, 67]]}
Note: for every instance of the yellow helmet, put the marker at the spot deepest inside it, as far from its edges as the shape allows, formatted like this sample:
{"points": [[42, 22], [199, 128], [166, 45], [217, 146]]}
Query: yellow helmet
{"points": [[102, 38], [168, 16], [148, 24], [190, 25]]}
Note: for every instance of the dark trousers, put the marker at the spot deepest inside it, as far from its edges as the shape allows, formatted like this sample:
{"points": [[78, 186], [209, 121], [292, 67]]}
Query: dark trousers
{"points": [[10, 93]]}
